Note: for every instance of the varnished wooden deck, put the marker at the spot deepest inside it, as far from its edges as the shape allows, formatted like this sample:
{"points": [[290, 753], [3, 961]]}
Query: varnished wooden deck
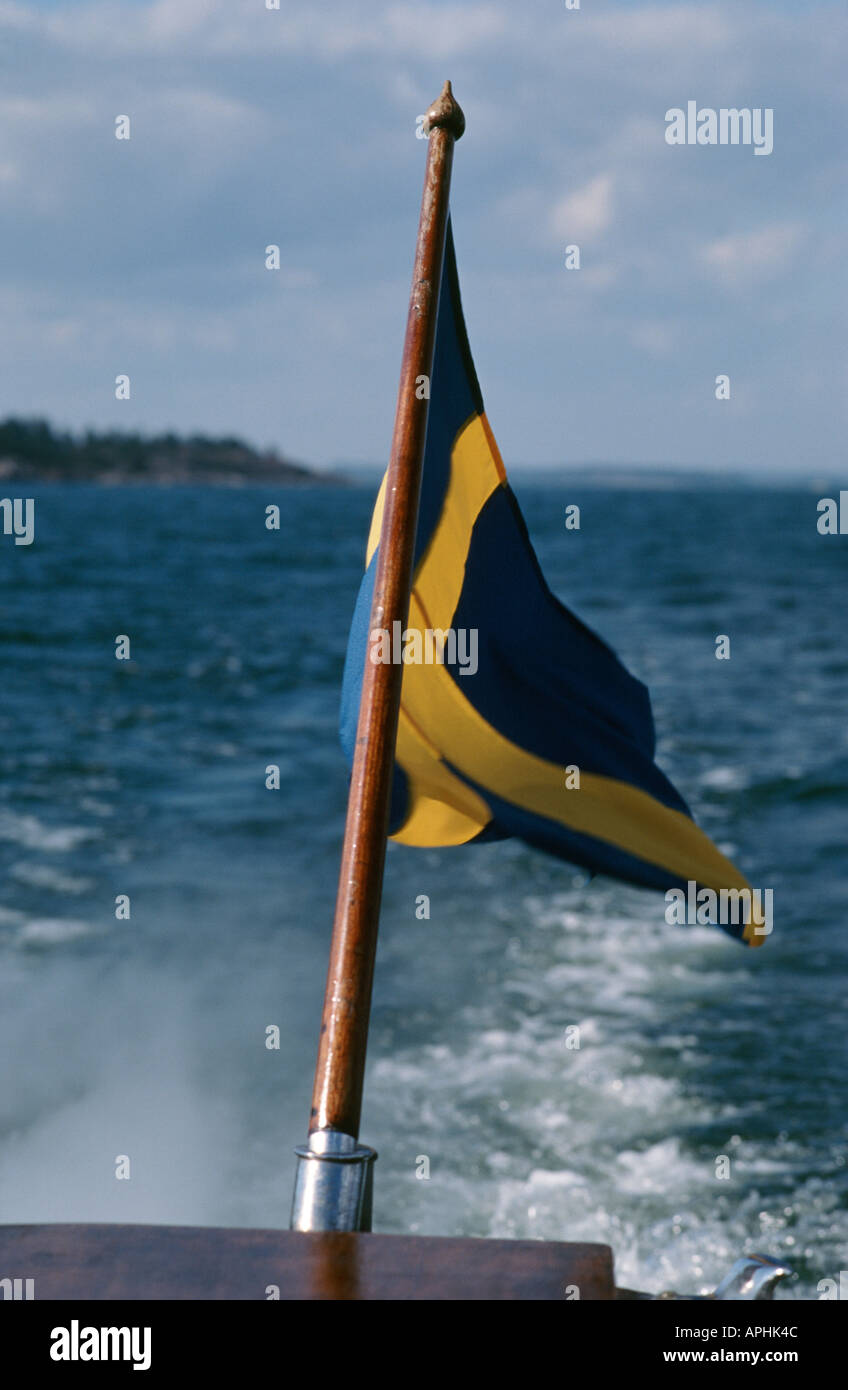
{"points": [[186, 1262]]}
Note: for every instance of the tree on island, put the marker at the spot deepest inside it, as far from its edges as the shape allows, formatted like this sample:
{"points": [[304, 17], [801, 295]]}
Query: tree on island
{"points": [[32, 449]]}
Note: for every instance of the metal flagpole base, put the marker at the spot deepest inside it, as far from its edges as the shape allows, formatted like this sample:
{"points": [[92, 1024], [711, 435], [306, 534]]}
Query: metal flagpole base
{"points": [[333, 1184]]}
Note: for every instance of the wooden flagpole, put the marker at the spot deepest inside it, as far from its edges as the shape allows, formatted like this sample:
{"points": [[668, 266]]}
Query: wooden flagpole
{"points": [[337, 1094], [332, 1188]]}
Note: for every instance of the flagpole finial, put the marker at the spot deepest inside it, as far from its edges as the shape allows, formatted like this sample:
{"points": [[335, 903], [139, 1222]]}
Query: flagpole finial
{"points": [[446, 113]]}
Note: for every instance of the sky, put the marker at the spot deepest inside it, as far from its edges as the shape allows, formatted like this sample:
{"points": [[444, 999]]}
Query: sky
{"points": [[297, 127]]}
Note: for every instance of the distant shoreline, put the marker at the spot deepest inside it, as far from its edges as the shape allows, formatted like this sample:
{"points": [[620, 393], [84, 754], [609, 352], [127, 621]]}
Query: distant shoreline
{"points": [[32, 452]]}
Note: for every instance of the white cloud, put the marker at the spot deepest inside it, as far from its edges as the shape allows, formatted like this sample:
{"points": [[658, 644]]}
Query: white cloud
{"points": [[340, 28], [599, 277], [654, 336], [332, 30], [657, 27], [585, 213], [757, 255], [445, 31]]}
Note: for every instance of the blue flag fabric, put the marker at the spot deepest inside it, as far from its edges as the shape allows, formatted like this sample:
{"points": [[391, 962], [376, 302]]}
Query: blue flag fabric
{"points": [[504, 689]]}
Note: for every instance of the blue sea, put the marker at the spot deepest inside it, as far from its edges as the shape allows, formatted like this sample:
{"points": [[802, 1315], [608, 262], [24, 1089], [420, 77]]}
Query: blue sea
{"points": [[147, 1037]]}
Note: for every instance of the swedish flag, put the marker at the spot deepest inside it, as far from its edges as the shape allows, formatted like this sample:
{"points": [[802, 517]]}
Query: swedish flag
{"points": [[503, 687]]}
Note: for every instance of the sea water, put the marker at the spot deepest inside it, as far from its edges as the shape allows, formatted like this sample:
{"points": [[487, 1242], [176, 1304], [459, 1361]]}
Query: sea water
{"points": [[703, 1112]]}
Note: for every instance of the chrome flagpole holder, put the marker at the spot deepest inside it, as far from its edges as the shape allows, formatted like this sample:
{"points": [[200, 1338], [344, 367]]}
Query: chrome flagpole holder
{"points": [[333, 1184]]}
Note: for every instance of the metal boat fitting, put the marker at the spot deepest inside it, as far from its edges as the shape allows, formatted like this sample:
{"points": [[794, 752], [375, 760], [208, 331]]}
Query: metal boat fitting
{"points": [[333, 1184], [753, 1278]]}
